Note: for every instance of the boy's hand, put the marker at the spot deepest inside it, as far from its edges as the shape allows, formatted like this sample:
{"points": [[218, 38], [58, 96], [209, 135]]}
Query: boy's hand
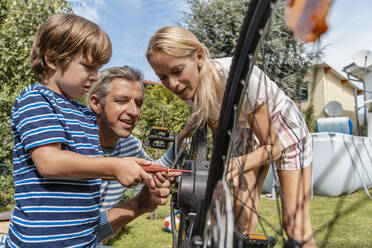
{"points": [[129, 171]]}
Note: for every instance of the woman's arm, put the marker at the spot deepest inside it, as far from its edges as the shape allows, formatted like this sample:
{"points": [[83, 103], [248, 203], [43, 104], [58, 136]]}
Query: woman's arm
{"points": [[269, 148], [52, 162]]}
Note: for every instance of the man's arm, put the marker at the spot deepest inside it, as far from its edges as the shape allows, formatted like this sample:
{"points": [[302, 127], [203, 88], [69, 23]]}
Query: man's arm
{"points": [[153, 193]]}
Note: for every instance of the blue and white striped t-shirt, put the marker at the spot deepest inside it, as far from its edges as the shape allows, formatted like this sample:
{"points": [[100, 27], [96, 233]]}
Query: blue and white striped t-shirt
{"points": [[52, 212], [112, 191]]}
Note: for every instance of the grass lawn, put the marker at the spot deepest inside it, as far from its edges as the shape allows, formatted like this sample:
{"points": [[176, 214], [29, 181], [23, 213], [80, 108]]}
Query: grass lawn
{"points": [[144, 232], [345, 221]]}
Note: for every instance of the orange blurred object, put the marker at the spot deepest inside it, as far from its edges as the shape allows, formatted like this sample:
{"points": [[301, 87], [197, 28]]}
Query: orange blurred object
{"points": [[307, 18]]}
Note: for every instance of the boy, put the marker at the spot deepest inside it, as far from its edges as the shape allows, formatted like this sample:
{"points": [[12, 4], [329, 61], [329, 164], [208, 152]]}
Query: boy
{"points": [[56, 146]]}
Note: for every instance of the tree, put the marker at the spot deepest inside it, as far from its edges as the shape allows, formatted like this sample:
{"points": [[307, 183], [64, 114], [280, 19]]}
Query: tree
{"points": [[217, 23], [19, 20], [161, 108]]}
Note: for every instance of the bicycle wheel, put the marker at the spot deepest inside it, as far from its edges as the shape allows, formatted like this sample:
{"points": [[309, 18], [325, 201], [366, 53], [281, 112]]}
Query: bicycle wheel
{"points": [[254, 24]]}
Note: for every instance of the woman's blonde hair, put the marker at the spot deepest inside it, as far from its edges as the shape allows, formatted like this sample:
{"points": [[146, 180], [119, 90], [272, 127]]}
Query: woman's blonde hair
{"points": [[178, 42], [65, 35]]}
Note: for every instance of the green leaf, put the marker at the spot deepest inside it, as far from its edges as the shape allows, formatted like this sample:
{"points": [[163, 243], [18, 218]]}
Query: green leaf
{"points": [[19, 20]]}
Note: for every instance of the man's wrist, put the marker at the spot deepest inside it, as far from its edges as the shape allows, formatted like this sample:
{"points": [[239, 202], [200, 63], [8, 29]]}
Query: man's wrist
{"points": [[104, 229], [123, 213], [139, 203]]}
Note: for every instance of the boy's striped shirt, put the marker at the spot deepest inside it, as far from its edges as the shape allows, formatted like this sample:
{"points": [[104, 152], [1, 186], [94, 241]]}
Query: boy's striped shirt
{"points": [[52, 212]]}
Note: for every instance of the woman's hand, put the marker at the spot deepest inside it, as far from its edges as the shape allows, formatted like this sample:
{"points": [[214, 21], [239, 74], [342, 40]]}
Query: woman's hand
{"points": [[236, 167], [264, 130]]}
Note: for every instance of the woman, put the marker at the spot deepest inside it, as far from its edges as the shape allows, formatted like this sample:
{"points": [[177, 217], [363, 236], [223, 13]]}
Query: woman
{"points": [[278, 129]]}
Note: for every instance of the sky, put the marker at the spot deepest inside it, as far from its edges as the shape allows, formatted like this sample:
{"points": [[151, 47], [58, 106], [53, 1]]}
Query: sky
{"points": [[131, 23]]}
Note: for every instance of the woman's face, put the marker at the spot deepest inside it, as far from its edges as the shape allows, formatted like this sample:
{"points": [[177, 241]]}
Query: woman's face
{"points": [[179, 74]]}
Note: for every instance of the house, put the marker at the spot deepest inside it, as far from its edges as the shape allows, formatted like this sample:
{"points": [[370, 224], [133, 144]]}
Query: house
{"points": [[362, 71], [325, 84]]}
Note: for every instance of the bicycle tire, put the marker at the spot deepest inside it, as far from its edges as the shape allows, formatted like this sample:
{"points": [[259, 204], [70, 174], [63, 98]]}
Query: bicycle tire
{"points": [[256, 19]]}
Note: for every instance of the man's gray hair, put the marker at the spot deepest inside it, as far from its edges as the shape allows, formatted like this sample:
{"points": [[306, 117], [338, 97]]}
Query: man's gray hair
{"points": [[102, 86]]}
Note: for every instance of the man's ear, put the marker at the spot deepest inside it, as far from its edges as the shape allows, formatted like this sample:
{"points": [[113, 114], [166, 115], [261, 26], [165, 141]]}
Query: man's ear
{"points": [[49, 58], [95, 104]]}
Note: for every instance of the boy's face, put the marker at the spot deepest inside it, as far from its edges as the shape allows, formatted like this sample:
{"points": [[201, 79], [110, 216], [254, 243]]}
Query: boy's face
{"points": [[122, 108], [76, 80]]}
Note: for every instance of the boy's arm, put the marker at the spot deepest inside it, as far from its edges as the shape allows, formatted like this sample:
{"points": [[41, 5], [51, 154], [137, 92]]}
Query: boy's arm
{"points": [[52, 162]]}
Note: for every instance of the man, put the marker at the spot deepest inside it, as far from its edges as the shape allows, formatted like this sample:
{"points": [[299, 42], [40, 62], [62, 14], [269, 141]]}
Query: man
{"points": [[116, 98]]}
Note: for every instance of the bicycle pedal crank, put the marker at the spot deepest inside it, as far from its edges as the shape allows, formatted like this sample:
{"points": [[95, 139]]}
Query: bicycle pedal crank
{"points": [[258, 241]]}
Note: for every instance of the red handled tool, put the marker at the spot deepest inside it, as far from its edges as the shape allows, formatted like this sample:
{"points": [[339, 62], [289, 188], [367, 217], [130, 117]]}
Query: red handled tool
{"points": [[158, 168]]}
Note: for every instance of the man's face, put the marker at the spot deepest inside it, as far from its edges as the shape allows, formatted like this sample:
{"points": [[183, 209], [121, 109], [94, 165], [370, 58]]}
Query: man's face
{"points": [[122, 108]]}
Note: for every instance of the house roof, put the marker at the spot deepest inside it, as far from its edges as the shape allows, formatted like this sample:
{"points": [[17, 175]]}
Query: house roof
{"points": [[148, 82], [357, 71], [338, 74]]}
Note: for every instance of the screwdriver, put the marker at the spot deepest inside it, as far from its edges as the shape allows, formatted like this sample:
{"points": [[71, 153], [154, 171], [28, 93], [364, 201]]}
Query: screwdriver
{"points": [[159, 168]]}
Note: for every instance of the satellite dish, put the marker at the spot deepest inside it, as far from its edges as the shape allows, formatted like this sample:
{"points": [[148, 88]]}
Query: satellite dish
{"points": [[333, 109], [363, 58]]}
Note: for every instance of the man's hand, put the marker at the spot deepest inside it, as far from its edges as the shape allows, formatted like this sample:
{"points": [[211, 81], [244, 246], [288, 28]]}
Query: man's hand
{"points": [[162, 177], [154, 192]]}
